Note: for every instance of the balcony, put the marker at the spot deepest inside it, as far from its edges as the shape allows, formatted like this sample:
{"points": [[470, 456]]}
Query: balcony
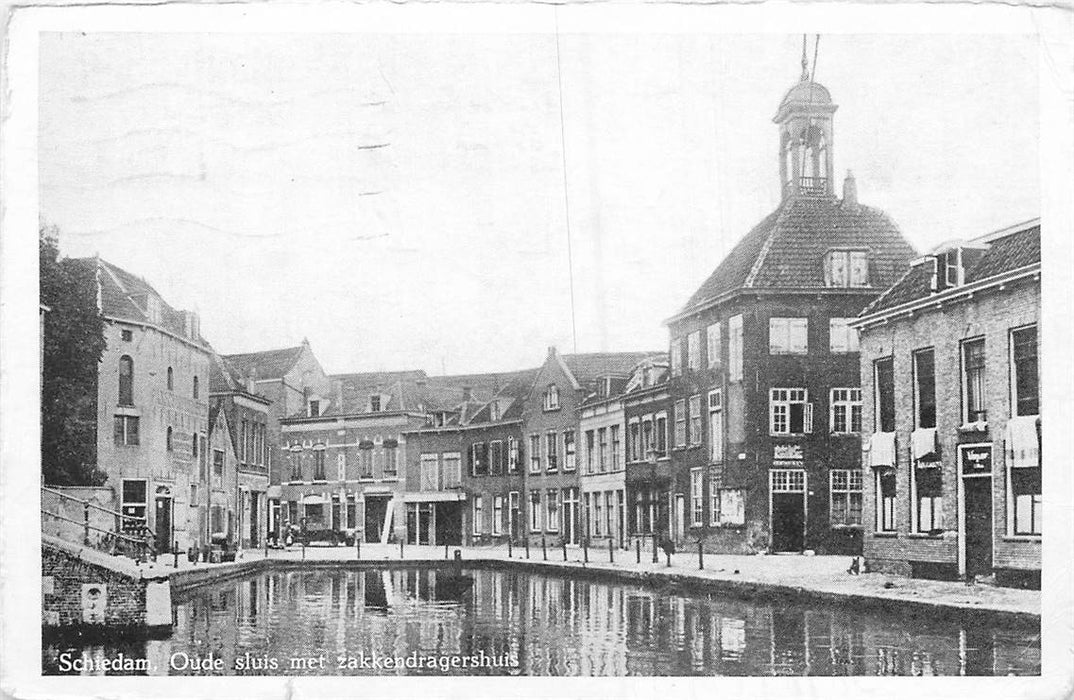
{"points": [[813, 186]]}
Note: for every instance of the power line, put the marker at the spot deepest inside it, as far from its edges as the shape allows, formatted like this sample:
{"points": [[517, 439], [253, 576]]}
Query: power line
{"points": [[566, 191]]}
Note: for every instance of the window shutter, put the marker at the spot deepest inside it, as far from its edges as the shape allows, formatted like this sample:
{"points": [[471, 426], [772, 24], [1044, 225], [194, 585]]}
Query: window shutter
{"points": [[808, 421], [799, 332]]}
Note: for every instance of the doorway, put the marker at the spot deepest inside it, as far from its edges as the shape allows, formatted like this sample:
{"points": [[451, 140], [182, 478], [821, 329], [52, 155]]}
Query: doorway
{"points": [[163, 524], [977, 499], [680, 517], [376, 508], [448, 523], [788, 510]]}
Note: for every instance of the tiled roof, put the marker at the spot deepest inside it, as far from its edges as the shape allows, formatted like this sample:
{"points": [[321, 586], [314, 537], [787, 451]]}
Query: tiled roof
{"points": [[125, 296], [588, 367], [222, 376], [267, 364], [787, 249], [1003, 254]]}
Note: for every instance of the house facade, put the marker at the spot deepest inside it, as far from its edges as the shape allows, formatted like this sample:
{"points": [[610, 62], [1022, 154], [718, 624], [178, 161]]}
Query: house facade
{"points": [[602, 475], [247, 419], [220, 511], [765, 398], [950, 360], [152, 406], [550, 418], [649, 480]]}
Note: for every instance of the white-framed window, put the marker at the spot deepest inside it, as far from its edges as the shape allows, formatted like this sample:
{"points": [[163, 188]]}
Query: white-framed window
{"points": [[885, 500], [925, 388], [617, 448], [479, 459], [697, 496], [788, 480], [713, 346], [634, 452], [716, 426], [1025, 381], [732, 507], [788, 336], [134, 496], [590, 452], [535, 510], [602, 450], [680, 423], [974, 402], [926, 489], [842, 337], [430, 471], [341, 466], [597, 512], [884, 395], [512, 455], [496, 457], [125, 430], [660, 433], [693, 351], [497, 515], [845, 497], [734, 348], [551, 398], [512, 512], [552, 450], [451, 470], [676, 356], [569, 457], [790, 412], [714, 498], [696, 431], [846, 268], [478, 513], [535, 454], [1026, 508], [552, 510], [845, 410], [648, 444]]}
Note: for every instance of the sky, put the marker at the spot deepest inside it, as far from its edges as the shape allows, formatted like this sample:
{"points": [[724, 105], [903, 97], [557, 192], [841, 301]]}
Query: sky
{"points": [[402, 200]]}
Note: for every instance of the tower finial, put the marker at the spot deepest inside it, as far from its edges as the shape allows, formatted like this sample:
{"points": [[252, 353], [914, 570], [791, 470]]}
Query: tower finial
{"points": [[805, 61]]}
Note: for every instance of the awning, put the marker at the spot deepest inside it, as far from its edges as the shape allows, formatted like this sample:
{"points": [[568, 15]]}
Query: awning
{"points": [[1022, 442], [924, 446], [882, 450], [427, 496]]}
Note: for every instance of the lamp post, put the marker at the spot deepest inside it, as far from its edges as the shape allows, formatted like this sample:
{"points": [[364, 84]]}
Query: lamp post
{"points": [[650, 457]]}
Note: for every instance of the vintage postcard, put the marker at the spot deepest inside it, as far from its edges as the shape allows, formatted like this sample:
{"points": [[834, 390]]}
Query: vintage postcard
{"points": [[451, 347]]}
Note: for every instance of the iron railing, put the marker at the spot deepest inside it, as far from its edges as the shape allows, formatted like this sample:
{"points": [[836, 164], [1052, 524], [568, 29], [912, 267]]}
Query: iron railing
{"points": [[131, 535]]}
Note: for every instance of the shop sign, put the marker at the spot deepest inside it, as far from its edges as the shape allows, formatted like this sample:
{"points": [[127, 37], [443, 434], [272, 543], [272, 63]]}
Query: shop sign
{"points": [[787, 452], [976, 459]]}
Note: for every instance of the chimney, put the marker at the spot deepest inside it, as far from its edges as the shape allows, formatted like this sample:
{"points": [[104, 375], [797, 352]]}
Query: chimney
{"points": [[850, 190], [551, 350], [467, 393], [251, 380]]}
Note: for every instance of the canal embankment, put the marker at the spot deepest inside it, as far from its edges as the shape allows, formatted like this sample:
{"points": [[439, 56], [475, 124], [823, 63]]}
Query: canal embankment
{"points": [[789, 577]]}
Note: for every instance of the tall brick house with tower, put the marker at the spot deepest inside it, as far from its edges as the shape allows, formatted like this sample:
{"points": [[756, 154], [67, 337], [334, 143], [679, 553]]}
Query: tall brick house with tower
{"points": [[765, 397]]}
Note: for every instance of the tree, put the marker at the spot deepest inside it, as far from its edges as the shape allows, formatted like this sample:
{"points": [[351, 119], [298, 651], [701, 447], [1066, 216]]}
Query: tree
{"points": [[73, 345]]}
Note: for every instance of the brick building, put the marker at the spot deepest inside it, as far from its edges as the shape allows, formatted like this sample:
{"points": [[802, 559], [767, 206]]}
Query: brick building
{"points": [[649, 480], [764, 389], [952, 402], [464, 469], [152, 405], [550, 418], [218, 504], [247, 421]]}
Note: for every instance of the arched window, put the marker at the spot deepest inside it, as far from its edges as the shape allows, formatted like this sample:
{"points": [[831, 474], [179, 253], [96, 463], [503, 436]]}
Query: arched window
{"points": [[195, 387], [126, 381], [814, 157], [171, 379], [168, 439]]}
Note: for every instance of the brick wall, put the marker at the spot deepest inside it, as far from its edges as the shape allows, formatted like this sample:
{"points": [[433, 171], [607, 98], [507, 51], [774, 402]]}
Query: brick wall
{"points": [[65, 574]]}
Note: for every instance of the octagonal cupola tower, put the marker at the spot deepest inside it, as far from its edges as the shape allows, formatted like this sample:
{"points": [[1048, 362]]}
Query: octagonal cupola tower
{"points": [[804, 118]]}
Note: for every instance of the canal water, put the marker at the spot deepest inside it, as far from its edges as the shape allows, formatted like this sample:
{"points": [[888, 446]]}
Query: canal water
{"points": [[426, 622]]}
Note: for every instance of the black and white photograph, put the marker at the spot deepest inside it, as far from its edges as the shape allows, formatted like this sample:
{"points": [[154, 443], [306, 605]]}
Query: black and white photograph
{"points": [[460, 343]]}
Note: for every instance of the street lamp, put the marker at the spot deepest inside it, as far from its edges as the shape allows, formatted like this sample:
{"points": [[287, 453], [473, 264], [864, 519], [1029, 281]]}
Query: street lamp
{"points": [[650, 457]]}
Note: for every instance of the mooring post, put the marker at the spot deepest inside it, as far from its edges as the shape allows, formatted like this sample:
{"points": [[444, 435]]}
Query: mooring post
{"points": [[637, 545], [611, 549], [667, 552], [527, 543], [564, 549], [700, 555], [85, 523], [509, 555], [656, 559], [544, 548], [357, 547], [445, 550], [175, 555], [400, 549], [585, 549], [303, 550]]}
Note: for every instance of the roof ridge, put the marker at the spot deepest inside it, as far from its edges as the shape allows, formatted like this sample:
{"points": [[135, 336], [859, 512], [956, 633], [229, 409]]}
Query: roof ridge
{"points": [[261, 352]]}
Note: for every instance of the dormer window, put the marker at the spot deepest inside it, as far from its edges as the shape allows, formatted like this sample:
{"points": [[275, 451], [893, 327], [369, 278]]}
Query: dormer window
{"points": [[314, 408], [551, 398], [494, 411], [846, 268], [374, 403], [947, 270]]}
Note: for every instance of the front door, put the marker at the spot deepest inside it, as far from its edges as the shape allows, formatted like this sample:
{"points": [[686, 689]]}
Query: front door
{"points": [[164, 524], [254, 515], [788, 510], [376, 508], [680, 517], [978, 514]]}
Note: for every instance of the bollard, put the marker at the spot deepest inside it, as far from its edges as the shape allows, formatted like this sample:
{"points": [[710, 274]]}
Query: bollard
{"points": [[611, 550], [400, 549], [656, 559], [667, 552], [85, 519], [564, 550], [445, 550], [637, 544], [585, 549], [303, 550], [544, 548], [175, 555], [527, 542], [509, 555], [700, 555]]}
